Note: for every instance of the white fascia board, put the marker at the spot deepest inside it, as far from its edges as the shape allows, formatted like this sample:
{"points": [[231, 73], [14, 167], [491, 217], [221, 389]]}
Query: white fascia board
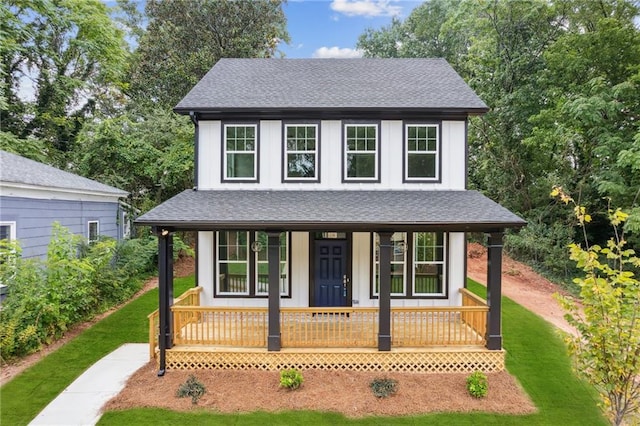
{"points": [[12, 189]]}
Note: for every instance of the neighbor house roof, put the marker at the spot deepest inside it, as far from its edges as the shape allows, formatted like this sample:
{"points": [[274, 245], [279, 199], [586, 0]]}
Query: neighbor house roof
{"points": [[331, 210], [428, 85], [20, 171]]}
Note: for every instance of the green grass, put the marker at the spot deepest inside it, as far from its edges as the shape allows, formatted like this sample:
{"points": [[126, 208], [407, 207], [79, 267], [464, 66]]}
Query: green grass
{"points": [[536, 356], [26, 395]]}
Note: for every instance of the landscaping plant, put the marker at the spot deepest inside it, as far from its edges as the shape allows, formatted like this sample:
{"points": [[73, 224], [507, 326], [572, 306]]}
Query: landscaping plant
{"points": [[192, 388], [607, 350], [290, 379], [383, 388], [477, 384]]}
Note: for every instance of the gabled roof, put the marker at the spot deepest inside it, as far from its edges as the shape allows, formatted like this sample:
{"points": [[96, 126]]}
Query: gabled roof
{"points": [[21, 171], [331, 210], [324, 84]]}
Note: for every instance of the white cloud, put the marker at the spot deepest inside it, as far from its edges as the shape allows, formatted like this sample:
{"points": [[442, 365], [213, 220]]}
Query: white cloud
{"points": [[368, 8], [337, 52]]}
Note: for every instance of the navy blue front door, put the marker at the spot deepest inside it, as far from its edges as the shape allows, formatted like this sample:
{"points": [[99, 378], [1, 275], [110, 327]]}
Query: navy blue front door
{"points": [[330, 272]]}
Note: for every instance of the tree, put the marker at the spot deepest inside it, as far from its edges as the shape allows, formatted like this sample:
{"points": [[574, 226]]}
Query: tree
{"points": [[607, 349], [149, 156], [72, 53], [184, 39]]}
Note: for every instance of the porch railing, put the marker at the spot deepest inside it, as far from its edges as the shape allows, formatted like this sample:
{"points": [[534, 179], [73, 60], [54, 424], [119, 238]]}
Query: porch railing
{"points": [[190, 297], [329, 327], [477, 321]]}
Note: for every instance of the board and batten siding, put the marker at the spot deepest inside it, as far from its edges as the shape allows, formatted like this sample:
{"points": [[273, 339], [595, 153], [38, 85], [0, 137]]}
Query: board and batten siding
{"points": [[34, 219], [270, 146], [360, 278]]}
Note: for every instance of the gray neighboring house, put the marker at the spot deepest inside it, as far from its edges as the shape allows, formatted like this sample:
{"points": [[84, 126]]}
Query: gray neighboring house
{"points": [[34, 195]]}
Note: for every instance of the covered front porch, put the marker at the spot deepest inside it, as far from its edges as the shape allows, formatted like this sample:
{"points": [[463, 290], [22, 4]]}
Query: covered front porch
{"points": [[464, 335], [437, 339]]}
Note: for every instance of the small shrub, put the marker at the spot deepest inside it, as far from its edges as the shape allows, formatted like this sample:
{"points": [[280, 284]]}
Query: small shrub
{"points": [[477, 384], [383, 388], [193, 388], [290, 379]]}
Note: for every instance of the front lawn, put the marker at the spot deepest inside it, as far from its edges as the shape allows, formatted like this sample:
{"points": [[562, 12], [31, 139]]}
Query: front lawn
{"points": [[536, 356]]}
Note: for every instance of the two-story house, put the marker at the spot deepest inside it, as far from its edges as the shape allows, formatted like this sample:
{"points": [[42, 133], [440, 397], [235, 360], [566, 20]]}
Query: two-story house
{"points": [[331, 207]]}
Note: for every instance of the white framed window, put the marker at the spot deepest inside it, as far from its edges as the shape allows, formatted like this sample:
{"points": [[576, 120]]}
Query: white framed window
{"points": [[361, 152], [418, 265], [262, 262], [242, 265], [429, 270], [240, 152], [301, 152], [93, 231], [422, 152], [7, 230], [398, 264]]}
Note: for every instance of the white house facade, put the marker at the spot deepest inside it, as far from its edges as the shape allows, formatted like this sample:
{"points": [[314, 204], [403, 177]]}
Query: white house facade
{"points": [[329, 188]]}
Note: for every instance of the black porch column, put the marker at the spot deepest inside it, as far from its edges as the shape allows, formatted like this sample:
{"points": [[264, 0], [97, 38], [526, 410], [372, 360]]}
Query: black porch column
{"points": [[165, 290], [273, 257], [384, 312], [494, 291]]}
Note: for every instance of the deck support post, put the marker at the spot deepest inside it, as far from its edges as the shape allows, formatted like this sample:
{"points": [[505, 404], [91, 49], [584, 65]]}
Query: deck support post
{"points": [[494, 291], [384, 298], [273, 257], [165, 290]]}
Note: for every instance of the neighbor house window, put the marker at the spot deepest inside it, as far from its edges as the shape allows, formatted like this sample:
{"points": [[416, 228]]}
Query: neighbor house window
{"points": [[242, 264], [361, 152], [421, 156], [428, 263], [240, 152], [301, 152], [418, 264], [93, 231], [398, 264], [8, 231]]}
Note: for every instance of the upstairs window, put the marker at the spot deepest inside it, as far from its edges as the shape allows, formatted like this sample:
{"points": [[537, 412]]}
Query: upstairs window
{"points": [[421, 156], [301, 152], [240, 152], [361, 152]]}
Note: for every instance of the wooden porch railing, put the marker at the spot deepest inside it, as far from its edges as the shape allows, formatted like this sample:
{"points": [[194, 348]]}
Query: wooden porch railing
{"points": [[190, 297], [329, 327], [477, 321]]}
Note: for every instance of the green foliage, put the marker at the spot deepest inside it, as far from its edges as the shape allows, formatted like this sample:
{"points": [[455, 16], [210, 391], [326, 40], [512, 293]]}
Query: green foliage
{"points": [[477, 384], [74, 54], [149, 155], [181, 44], [291, 379], [192, 388], [75, 282], [383, 387], [607, 349]]}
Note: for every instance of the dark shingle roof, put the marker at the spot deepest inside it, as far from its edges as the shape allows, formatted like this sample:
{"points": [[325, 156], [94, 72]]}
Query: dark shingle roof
{"points": [[316, 84], [19, 170], [331, 210]]}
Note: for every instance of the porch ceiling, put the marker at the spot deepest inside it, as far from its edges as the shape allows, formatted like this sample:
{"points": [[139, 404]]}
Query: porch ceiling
{"points": [[331, 210]]}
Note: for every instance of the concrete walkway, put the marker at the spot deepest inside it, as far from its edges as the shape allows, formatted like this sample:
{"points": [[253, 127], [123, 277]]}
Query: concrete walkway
{"points": [[81, 402]]}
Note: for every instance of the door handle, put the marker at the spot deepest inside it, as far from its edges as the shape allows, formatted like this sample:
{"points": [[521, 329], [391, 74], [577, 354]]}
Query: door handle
{"points": [[345, 281]]}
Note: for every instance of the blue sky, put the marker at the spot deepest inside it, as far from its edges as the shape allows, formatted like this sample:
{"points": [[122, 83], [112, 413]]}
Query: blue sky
{"points": [[330, 28]]}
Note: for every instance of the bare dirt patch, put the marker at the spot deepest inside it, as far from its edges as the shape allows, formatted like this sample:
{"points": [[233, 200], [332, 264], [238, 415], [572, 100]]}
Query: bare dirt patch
{"points": [[521, 284], [346, 392]]}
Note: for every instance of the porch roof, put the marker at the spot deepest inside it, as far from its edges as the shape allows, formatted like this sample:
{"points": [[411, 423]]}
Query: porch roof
{"points": [[372, 210]]}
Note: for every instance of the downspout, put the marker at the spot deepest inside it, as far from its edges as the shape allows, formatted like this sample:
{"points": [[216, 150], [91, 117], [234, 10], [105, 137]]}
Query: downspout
{"points": [[196, 155]]}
